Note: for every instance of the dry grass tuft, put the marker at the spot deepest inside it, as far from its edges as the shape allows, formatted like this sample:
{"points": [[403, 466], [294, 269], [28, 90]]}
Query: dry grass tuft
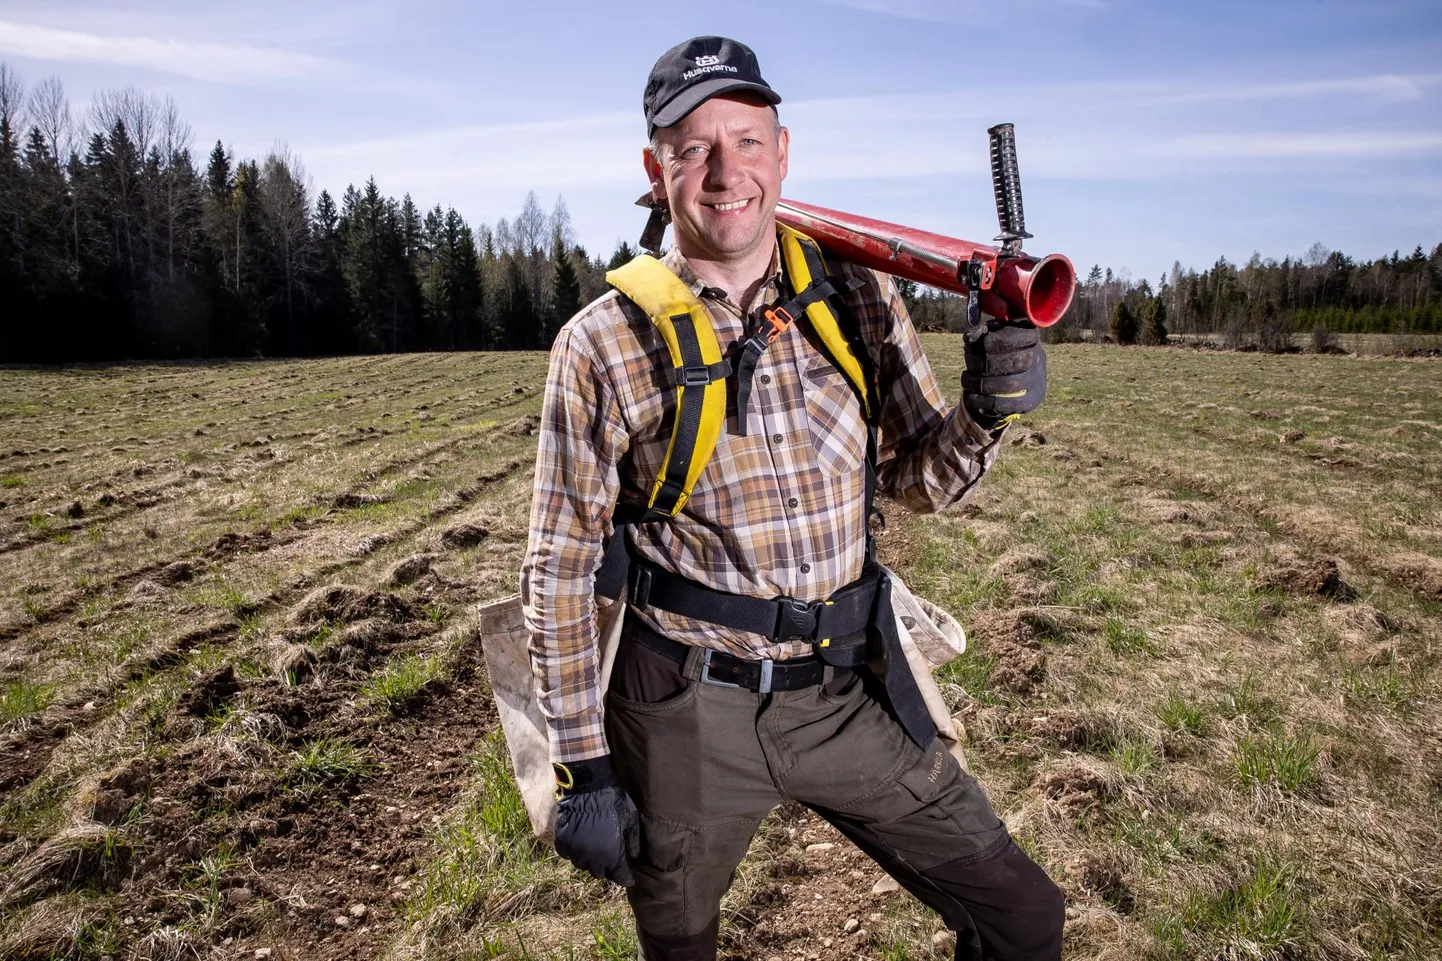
{"points": [[81, 850], [1320, 578], [345, 602], [44, 932]]}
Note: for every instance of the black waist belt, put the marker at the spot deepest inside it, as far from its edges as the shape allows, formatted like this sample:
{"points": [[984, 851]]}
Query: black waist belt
{"points": [[845, 613], [728, 670], [850, 628]]}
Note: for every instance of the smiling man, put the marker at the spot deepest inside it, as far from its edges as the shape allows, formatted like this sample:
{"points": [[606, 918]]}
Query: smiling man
{"points": [[722, 419]]}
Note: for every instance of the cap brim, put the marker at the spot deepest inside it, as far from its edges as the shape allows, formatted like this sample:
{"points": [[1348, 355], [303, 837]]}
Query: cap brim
{"points": [[692, 97]]}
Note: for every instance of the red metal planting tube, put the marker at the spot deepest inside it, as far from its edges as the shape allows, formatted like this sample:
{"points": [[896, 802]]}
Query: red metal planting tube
{"points": [[1011, 287]]}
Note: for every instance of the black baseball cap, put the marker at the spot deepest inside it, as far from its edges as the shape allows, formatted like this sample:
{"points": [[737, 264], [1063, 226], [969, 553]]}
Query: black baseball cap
{"points": [[693, 72]]}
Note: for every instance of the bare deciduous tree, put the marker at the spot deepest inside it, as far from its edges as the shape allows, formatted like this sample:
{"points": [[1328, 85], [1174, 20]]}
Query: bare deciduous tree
{"points": [[283, 200], [12, 101], [50, 112]]}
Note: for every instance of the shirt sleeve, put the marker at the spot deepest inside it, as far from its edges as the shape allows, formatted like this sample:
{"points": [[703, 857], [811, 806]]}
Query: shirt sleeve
{"points": [[930, 455], [582, 440]]}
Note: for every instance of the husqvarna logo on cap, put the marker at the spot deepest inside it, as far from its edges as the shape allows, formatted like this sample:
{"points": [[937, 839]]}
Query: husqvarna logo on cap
{"points": [[707, 61]]}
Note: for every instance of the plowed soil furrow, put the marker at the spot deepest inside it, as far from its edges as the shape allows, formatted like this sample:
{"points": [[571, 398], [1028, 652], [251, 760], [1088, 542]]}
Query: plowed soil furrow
{"points": [[46, 732], [351, 847], [25, 755], [67, 604], [1246, 509]]}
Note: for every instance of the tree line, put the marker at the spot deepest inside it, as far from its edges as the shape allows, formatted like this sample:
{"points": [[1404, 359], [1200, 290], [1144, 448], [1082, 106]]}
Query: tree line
{"points": [[115, 243]]}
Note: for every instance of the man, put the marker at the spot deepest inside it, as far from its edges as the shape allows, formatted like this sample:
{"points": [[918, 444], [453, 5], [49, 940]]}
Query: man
{"points": [[708, 726]]}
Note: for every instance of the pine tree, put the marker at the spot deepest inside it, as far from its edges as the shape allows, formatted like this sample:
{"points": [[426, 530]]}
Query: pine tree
{"points": [[1124, 325]]}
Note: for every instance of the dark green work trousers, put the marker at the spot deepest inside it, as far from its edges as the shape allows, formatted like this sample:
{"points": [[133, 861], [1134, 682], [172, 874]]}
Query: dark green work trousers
{"points": [[706, 763]]}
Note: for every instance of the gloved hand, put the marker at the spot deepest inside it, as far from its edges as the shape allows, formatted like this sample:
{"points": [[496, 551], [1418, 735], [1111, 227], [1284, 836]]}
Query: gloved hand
{"points": [[596, 825], [1005, 372]]}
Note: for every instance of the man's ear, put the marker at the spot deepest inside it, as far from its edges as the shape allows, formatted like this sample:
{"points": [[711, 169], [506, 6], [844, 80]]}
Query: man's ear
{"points": [[653, 174], [783, 148]]}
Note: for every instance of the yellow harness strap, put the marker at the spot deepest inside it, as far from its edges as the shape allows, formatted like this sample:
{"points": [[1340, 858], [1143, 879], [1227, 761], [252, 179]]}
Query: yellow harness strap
{"points": [[794, 249], [699, 375]]}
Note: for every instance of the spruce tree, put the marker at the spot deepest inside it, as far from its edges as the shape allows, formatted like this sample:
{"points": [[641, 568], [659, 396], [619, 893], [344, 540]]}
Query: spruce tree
{"points": [[1124, 324], [518, 314], [566, 288], [623, 254], [332, 305], [1155, 331]]}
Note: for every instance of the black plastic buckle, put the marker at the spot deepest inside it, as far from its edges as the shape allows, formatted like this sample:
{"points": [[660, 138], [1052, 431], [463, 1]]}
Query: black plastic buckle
{"points": [[796, 619], [693, 376]]}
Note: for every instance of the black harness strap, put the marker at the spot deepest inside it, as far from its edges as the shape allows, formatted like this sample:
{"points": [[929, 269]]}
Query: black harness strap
{"points": [[693, 373], [763, 332]]}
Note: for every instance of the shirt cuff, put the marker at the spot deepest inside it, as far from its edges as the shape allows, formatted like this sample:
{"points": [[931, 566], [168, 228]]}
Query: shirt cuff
{"points": [[577, 737], [962, 430]]}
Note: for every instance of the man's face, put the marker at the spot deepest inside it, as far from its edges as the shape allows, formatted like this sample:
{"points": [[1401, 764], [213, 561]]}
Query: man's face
{"points": [[721, 169]]}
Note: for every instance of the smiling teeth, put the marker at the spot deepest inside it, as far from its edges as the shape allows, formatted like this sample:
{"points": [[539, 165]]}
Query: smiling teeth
{"points": [[736, 206]]}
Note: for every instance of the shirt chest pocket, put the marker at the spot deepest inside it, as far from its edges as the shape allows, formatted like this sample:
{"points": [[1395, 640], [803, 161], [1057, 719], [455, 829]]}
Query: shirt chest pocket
{"points": [[833, 418]]}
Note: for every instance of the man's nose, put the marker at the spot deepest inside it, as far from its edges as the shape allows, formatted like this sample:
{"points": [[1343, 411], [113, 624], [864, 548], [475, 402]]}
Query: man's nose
{"points": [[723, 169]]}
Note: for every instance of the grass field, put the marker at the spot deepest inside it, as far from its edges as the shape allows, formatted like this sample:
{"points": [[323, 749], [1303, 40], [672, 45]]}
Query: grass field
{"points": [[242, 707]]}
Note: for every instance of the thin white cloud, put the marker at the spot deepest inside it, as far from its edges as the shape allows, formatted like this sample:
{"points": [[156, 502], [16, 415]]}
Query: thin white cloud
{"points": [[1269, 145], [237, 64], [599, 149], [1389, 87]]}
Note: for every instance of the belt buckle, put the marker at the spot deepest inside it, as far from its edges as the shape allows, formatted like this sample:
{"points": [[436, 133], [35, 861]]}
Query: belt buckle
{"points": [[797, 619], [706, 677], [763, 687]]}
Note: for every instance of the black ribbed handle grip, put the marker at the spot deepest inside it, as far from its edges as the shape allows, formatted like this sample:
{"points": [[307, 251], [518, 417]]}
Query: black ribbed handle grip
{"points": [[1006, 184]]}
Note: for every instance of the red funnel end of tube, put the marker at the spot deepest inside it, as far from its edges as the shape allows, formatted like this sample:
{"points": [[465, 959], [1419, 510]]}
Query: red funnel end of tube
{"points": [[1048, 293]]}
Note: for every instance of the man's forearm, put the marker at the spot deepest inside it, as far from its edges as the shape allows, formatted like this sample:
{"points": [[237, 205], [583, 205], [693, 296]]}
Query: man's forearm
{"points": [[565, 660], [944, 468]]}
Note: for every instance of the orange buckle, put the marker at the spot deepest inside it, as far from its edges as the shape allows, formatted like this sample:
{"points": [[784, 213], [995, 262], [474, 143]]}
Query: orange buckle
{"points": [[778, 325]]}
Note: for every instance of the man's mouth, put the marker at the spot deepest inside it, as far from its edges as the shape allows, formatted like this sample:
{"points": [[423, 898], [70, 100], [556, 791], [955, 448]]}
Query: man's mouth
{"points": [[727, 208]]}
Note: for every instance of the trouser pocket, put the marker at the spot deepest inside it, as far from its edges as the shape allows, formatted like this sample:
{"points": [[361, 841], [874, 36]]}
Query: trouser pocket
{"points": [[642, 676]]}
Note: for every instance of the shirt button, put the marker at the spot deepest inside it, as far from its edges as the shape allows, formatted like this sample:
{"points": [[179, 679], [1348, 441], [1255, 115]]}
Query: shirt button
{"points": [[806, 568], [765, 378], [777, 439], [793, 502]]}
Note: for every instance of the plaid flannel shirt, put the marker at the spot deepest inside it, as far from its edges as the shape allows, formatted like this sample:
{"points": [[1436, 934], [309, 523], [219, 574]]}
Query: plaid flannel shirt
{"points": [[777, 512]]}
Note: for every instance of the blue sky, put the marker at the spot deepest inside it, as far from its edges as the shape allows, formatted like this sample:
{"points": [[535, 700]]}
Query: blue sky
{"points": [[1147, 131]]}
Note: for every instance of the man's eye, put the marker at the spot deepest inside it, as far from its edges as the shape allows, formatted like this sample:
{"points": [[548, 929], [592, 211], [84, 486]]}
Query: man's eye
{"points": [[693, 151]]}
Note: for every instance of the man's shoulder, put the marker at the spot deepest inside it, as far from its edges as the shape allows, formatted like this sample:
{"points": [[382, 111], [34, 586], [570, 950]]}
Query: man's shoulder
{"points": [[601, 322], [876, 284]]}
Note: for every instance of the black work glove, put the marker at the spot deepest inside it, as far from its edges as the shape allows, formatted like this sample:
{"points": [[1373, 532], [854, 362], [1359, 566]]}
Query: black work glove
{"points": [[1005, 374], [596, 825]]}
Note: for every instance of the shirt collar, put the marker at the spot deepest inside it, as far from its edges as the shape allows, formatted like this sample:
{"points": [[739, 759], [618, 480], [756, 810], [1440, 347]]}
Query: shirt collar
{"points": [[677, 263]]}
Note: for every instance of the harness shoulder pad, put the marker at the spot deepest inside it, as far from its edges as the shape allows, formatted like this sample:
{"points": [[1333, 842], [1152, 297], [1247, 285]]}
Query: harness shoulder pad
{"points": [[804, 265], [699, 373]]}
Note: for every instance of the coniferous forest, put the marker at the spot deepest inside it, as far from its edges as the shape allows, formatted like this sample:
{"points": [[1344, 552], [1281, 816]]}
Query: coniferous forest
{"points": [[119, 241]]}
